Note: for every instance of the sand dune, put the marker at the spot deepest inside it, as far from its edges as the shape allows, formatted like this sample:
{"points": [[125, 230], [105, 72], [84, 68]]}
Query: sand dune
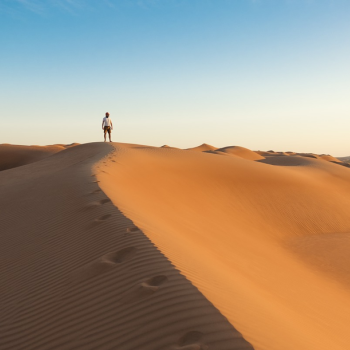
{"points": [[241, 152], [94, 236], [273, 153], [325, 157], [12, 156], [328, 158], [252, 236], [246, 153], [285, 161], [77, 274], [202, 148], [344, 159]]}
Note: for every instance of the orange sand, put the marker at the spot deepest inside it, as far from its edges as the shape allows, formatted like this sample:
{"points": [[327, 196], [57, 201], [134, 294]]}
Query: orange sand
{"points": [[77, 274], [261, 238], [267, 241], [12, 156]]}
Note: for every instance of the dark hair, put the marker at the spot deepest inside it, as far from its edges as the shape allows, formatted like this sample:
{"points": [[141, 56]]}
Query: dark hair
{"points": [[107, 114]]}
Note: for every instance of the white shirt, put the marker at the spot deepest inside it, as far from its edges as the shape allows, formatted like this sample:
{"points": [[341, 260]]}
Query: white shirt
{"points": [[107, 121]]}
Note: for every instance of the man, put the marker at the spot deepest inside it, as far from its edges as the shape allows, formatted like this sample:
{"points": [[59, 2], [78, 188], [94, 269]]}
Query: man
{"points": [[107, 126]]}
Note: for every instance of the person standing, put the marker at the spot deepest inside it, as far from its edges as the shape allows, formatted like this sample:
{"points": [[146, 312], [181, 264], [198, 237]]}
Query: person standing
{"points": [[107, 126]]}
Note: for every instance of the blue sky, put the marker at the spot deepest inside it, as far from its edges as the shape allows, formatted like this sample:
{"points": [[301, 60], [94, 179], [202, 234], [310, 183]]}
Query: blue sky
{"points": [[263, 74]]}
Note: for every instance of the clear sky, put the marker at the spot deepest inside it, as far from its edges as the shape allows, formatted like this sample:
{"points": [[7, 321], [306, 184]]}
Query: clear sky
{"points": [[263, 74]]}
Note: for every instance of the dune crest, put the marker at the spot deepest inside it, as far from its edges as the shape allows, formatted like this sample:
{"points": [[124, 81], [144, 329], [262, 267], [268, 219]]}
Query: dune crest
{"points": [[241, 152], [202, 148], [77, 274]]}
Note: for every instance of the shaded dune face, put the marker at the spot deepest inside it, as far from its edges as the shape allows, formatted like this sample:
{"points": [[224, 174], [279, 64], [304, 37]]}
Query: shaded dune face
{"points": [[285, 161], [251, 235], [12, 156], [77, 274]]}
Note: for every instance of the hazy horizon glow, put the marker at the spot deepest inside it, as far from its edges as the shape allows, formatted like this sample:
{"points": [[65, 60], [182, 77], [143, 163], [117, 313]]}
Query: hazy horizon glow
{"points": [[266, 74]]}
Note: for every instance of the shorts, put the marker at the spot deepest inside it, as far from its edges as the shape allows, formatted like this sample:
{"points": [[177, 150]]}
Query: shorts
{"points": [[107, 129]]}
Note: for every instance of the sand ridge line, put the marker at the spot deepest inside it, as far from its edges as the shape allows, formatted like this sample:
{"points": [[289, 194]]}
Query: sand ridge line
{"points": [[225, 223], [78, 274]]}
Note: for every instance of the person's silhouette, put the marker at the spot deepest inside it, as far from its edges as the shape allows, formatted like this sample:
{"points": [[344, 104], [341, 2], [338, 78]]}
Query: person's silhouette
{"points": [[107, 126]]}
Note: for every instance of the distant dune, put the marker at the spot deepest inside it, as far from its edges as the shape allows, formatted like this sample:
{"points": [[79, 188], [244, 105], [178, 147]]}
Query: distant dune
{"points": [[12, 156], [344, 159], [130, 247], [240, 152], [203, 147]]}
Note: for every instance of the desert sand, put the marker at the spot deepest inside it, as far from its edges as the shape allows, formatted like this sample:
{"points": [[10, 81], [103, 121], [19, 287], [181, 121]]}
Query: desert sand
{"points": [[77, 274], [121, 246], [12, 156]]}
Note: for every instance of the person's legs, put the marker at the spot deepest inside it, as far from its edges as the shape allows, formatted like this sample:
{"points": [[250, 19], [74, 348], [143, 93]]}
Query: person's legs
{"points": [[109, 135], [105, 134]]}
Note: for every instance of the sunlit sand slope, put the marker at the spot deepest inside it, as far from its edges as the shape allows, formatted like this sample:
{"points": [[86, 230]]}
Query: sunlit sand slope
{"points": [[77, 274], [202, 148], [267, 242], [238, 152]]}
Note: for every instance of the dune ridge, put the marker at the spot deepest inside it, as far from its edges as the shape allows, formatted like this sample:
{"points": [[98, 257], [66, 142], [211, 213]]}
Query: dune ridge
{"points": [[202, 148], [252, 236], [237, 151], [248, 154], [77, 274]]}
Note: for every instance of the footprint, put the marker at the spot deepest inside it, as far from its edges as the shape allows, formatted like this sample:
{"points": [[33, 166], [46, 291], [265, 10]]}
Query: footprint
{"points": [[190, 341], [93, 269], [91, 205], [104, 217], [190, 347], [121, 255], [96, 191], [104, 201], [103, 264], [144, 289], [95, 182], [132, 229], [94, 205], [190, 338], [98, 221], [155, 281]]}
